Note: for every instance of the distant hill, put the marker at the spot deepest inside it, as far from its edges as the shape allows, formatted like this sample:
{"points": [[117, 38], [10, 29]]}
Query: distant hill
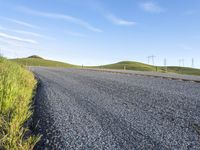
{"points": [[35, 56], [39, 61], [131, 65]]}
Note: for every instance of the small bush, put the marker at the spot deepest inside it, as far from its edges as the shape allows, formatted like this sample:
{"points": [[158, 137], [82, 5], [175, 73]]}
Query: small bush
{"points": [[16, 90]]}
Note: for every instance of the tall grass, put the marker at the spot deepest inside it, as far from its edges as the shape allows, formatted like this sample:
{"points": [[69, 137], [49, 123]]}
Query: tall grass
{"points": [[16, 90]]}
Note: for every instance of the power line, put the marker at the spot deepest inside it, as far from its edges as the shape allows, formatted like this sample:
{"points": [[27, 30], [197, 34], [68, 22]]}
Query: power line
{"points": [[165, 64], [192, 62], [151, 58], [181, 62]]}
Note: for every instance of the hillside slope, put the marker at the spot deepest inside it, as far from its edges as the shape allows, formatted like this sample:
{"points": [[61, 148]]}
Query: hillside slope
{"points": [[184, 70], [42, 62], [130, 65]]}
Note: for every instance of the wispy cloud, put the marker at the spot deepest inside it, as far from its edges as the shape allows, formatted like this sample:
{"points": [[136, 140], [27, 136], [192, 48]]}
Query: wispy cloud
{"points": [[151, 7], [21, 23], [11, 42], [61, 17], [100, 8], [28, 33], [77, 34], [23, 32], [18, 39], [119, 21]]}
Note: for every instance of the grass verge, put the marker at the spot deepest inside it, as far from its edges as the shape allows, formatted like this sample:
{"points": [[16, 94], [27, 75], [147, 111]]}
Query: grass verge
{"points": [[16, 91]]}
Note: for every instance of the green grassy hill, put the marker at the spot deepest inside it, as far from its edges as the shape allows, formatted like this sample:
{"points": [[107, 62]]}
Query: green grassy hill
{"points": [[184, 70], [130, 65], [38, 61]]}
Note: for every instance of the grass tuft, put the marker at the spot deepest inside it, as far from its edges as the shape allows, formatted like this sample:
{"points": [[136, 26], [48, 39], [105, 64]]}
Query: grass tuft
{"points": [[16, 90]]}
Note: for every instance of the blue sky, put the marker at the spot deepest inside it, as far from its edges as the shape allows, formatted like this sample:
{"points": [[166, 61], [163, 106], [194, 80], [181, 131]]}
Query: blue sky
{"points": [[93, 32]]}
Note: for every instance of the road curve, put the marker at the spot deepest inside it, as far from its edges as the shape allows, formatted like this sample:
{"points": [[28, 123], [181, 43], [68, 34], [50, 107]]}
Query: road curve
{"points": [[83, 109]]}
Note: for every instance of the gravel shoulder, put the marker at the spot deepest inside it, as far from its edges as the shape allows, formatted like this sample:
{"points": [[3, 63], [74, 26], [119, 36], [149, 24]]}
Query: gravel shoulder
{"points": [[84, 109]]}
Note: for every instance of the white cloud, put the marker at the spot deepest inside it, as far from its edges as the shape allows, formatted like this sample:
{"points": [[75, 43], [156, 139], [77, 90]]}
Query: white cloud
{"points": [[77, 34], [21, 23], [151, 7], [62, 17], [15, 38], [99, 7], [28, 33], [119, 21], [11, 42], [31, 34]]}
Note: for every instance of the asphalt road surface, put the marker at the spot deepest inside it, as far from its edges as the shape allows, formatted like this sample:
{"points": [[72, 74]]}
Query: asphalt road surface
{"points": [[89, 110]]}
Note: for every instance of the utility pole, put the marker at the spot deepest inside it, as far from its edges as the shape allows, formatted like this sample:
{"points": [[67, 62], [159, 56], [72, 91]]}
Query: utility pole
{"points": [[181, 62], [148, 59], [152, 59], [165, 64], [192, 62]]}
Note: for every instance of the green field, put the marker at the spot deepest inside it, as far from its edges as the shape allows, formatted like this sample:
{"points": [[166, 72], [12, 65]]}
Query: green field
{"points": [[184, 70], [16, 91], [129, 65], [38, 61]]}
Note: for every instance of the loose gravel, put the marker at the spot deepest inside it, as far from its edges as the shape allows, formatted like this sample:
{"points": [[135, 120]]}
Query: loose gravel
{"points": [[84, 109]]}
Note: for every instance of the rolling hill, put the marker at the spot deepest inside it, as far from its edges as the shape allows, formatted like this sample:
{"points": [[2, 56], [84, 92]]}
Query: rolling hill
{"points": [[39, 61], [129, 65]]}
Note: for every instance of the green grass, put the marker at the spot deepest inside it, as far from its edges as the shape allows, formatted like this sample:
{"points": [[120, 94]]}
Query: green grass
{"points": [[184, 70], [35, 61], [16, 91], [130, 65]]}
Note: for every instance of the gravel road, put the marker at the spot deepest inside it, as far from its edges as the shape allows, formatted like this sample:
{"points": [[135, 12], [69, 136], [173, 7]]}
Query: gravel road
{"points": [[88, 110]]}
